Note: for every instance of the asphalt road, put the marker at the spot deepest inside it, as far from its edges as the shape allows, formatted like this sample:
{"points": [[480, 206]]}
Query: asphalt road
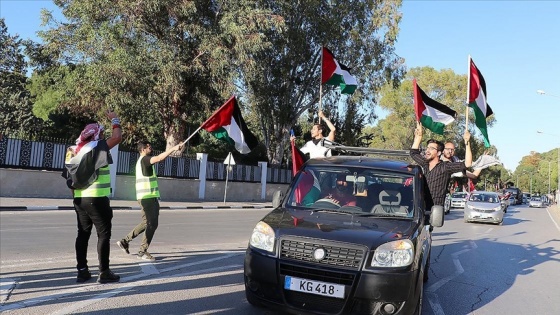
{"points": [[476, 268]]}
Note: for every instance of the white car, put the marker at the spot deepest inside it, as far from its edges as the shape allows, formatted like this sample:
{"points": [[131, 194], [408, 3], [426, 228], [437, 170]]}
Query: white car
{"points": [[536, 202]]}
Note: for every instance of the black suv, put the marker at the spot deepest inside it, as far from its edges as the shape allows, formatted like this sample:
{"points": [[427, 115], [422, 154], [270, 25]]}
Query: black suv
{"points": [[351, 236]]}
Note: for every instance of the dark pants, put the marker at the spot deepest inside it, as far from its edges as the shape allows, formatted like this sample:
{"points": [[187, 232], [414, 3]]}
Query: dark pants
{"points": [[149, 224], [92, 211]]}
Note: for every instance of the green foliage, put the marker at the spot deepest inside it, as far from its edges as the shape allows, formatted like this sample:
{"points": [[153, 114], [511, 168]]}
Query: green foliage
{"points": [[163, 65], [283, 80], [536, 171], [443, 86], [16, 117]]}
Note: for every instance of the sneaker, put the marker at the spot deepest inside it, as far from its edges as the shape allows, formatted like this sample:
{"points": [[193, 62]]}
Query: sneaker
{"points": [[83, 275], [108, 276], [123, 244], [146, 256]]}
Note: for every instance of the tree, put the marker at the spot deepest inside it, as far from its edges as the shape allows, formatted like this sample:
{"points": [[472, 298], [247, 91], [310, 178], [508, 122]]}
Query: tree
{"points": [[282, 82], [443, 86], [162, 64], [15, 112]]}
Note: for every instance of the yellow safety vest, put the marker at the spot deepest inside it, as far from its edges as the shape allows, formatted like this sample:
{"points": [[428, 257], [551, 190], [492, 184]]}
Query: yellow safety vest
{"points": [[101, 187], [146, 186]]}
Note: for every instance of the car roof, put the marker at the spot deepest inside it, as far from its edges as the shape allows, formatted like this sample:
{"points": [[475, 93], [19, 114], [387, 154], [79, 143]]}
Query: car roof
{"points": [[364, 161]]}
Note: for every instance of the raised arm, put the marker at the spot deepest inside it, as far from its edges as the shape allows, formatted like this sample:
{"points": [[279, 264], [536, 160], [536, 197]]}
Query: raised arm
{"points": [[329, 124], [116, 135], [160, 157], [468, 152], [417, 136]]}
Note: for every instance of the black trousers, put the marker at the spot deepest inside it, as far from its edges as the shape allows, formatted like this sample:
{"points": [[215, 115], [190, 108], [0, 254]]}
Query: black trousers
{"points": [[93, 211]]}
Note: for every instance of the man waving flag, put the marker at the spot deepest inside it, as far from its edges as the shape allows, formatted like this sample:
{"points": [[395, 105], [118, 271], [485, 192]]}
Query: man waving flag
{"points": [[477, 100], [432, 114]]}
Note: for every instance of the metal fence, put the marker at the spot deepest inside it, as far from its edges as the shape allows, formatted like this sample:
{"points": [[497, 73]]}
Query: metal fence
{"points": [[26, 154]]}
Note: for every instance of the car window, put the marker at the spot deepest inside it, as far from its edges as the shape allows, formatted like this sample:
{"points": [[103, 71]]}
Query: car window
{"points": [[353, 190], [484, 197], [459, 195]]}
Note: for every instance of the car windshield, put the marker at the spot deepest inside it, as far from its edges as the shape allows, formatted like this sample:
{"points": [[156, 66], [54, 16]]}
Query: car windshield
{"points": [[459, 195], [484, 197], [357, 191], [535, 199]]}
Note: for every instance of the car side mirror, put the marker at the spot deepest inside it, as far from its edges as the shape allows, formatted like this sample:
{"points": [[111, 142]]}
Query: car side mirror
{"points": [[436, 217], [277, 198]]}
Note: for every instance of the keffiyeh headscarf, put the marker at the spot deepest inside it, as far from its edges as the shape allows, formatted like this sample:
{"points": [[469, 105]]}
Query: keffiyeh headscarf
{"points": [[90, 133]]}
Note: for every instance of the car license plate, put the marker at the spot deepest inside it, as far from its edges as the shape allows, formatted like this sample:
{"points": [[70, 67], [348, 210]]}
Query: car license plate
{"points": [[314, 287]]}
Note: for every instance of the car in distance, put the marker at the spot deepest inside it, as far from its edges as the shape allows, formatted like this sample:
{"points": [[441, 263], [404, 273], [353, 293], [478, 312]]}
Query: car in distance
{"points": [[458, 199], [517, 195], [536, 202], [349, 237], [484, 206]]}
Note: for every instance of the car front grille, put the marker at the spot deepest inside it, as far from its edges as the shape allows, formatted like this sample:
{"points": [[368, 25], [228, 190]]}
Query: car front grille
{"points": [[485, 210], [340, 255], [317, 274]]}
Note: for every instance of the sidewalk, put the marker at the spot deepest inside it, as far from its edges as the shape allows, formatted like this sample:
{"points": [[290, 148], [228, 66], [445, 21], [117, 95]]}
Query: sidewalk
{"points": [[554, 210], [24, 204]]}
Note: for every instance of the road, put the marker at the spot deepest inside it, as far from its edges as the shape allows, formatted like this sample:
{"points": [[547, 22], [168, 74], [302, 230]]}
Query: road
{"points": [[476, 268]]}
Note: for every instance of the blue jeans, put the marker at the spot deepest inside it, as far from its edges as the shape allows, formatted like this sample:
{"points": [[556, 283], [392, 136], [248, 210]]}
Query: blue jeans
{"points": [[92, 211]]}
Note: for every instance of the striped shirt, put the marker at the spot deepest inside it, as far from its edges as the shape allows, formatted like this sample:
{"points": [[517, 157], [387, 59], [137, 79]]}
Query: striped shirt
{"points": [[438, 177]]}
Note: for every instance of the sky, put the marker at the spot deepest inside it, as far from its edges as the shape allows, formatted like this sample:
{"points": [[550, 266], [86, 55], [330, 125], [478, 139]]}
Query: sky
{"points": [[515, 45]]}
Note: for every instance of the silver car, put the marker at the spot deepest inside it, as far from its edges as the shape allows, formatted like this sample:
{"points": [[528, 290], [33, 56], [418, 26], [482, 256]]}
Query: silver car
{"points": [[483, 206], [458, 199], [536, 202]]}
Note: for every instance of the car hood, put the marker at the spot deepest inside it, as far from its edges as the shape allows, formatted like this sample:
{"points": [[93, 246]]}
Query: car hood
{"points": [[483, 205], [367, 231]]}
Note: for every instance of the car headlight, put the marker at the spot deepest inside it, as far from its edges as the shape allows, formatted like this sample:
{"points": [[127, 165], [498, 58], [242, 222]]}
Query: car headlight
{"points": [[471, 207], [263, 237], [394, 254], [497, 208]]}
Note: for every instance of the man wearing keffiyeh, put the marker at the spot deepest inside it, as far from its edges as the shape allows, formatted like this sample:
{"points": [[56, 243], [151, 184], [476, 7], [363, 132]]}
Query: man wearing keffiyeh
{"points": [[88, 175]]}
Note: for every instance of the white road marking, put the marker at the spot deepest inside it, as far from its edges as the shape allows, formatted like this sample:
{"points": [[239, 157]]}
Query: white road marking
{"points": [[431, 290], [92, 286], [552, 218], [6, 287], [76, 306]]}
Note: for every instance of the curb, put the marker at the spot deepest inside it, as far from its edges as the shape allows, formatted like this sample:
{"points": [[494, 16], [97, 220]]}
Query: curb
{"points": [[40, 208]]}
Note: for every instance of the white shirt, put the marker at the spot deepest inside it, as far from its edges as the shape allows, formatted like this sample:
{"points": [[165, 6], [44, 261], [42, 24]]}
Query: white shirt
{"points": [[315, 150]]}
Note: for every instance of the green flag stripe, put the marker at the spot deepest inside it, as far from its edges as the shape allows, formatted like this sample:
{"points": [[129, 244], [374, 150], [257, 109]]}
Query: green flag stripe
{"points": [[222, 134], [480, 122], [434, 126]]}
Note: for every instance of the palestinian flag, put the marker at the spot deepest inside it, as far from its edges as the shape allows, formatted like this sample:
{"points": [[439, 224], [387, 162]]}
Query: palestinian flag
{"points": [[477, 100], [337, 74], [298, 158], [432, 114], [227, 124]]}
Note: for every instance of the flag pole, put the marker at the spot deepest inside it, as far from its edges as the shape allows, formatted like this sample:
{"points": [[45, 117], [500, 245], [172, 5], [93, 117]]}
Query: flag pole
{"points": [[321, 81], [468, 93]]}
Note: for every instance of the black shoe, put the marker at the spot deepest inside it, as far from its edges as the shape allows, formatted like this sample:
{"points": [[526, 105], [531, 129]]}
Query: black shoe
{"points": [[108, 276], [123, 244], [83, 275]]}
